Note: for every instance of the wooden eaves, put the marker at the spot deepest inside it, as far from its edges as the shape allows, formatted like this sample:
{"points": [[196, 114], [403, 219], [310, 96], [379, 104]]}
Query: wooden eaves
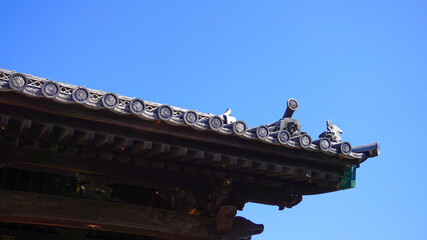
{"points": [[207, 160]]}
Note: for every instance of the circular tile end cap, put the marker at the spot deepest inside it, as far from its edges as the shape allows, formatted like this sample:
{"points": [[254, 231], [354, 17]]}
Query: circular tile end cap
{"points": [[239, 127], [293, 104], [165, 112], [215, 123], [325, 144], [305, 140], [136, 106], [50, 89], [190, 117], [18, 81], [262, 132], [110, 100], [80, 94], [283, 137], [345, 148]]}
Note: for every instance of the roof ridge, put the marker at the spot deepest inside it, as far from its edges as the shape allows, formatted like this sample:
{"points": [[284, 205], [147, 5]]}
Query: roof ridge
{"points": [[273, 133]]}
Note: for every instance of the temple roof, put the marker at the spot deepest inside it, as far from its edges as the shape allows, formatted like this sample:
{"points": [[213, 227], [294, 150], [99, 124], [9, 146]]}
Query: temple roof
{"points": [[276, 133]]}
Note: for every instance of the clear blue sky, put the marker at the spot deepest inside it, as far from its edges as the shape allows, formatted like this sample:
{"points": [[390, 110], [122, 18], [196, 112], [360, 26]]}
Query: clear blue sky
{"points": [[362, 64]]}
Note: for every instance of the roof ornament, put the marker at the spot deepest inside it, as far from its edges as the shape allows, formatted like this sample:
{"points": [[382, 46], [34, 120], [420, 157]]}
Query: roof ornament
{"points": [[292, 106], [333, 132], [287, 123], [227, 117]]}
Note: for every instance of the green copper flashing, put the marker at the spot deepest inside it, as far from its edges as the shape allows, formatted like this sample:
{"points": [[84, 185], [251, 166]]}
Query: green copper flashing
{"points": [[349, 179]]}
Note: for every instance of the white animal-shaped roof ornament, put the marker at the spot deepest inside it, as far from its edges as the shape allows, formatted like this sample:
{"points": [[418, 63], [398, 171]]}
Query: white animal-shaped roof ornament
{"points": [[333, 132]]}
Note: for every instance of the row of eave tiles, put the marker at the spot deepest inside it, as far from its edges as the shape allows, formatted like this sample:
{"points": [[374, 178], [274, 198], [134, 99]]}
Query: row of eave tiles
{"points": [[33, 87]]}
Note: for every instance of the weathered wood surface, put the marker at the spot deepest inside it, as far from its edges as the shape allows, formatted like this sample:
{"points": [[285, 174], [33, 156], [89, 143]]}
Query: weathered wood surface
{"points": [[44, 209]]}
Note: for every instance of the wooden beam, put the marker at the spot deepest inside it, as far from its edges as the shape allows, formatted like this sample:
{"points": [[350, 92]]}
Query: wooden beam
{"points": [[65, 134], [104, 141], [141, 147], [25, 127], [85, 137], [288, 172], [193, 155], [158, 149], [257, 167], [210, 158], [229, 162], [244, 164], [279, 170], [45, 209], [275, 170], [46, 131], [318, 176], [264, 194], [176, 153], [34, 131], [302, 175], [122, 144], [216, 160]]}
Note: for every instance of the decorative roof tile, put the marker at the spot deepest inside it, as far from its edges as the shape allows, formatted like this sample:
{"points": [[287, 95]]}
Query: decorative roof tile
{"points": [[285, 132]]}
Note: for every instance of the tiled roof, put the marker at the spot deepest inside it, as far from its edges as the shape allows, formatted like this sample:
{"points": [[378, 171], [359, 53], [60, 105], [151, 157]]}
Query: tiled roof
{"points": [[150, 111]]}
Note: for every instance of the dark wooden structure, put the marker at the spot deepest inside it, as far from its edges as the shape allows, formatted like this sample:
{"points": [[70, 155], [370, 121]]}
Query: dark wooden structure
{"points": [[77, 163]]}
